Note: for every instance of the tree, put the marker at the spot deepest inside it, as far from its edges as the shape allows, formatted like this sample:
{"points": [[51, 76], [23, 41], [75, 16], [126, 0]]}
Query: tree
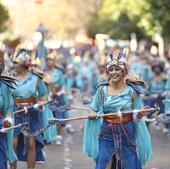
{"points": [[118, 18], [160, 10], [3, 17], [118, 29]]}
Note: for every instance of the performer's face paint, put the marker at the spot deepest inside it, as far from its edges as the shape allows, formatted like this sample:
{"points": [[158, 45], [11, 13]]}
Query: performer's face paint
{"points": [[115, 73]]}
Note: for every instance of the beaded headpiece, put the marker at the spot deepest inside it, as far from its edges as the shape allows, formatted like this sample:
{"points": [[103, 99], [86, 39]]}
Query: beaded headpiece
{"points": [[21, 55], [116, 58]]}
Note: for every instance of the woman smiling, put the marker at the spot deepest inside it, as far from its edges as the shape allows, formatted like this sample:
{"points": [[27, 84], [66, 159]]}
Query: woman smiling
{"points": [[121, 141]]}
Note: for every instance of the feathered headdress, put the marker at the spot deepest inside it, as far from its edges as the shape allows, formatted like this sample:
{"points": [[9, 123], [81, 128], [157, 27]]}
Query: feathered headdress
{"points": [[117, 58], [21, 55], [9, 81], [35, 59]]}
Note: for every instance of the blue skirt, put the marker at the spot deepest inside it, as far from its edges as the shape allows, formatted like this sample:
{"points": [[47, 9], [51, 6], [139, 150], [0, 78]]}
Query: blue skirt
{"points": [[117, 144], [3, 149], [33, 117]]}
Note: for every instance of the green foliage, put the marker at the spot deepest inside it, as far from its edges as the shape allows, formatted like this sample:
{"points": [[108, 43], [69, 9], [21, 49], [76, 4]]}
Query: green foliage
{"points": [[3, 17], [118, 29], [160, 10], [119, 18]]}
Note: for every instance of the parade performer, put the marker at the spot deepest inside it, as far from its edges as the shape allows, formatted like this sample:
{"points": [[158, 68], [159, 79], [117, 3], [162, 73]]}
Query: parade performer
{"points": [[117, 142], [141, 67], [29, 91], [70, 81], [6, 117], [84, 75], [156, 89], [156, 86], [50, 134], [56, 80]]}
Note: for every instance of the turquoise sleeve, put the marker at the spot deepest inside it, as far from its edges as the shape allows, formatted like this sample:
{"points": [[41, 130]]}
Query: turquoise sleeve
{"points": [[8, 108], [92, 130], [95, 104], [144, 145], [10, 151], [55, 78], [90, 138], [41, 88]]}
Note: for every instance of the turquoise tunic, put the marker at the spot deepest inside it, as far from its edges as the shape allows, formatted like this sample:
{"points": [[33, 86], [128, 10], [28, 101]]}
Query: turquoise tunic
{"points": [[157, 89], [137, 133], [58, 80], [32, 86], [70, 83], [6, 147]]}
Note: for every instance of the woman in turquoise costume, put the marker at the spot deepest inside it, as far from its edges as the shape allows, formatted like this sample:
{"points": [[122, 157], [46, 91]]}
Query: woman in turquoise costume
{"points": [[29, 91], [50, 134], [70, 81], [117, 142], [84, 75], [6, 118], [141, 67], [55, 80], [156, 86]]}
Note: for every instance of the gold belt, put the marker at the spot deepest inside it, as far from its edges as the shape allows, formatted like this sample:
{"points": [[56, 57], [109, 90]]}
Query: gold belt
{"points": [[115, 119], [24, 102]]}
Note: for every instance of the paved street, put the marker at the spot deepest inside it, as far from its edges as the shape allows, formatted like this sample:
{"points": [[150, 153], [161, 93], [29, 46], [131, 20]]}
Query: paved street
{"points": [[69, 155]]}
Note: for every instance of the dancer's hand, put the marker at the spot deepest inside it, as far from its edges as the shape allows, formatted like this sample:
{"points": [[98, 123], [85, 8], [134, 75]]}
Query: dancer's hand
{"points": [[47, 79], [142, 113], [7, 122], [92, 116]]}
